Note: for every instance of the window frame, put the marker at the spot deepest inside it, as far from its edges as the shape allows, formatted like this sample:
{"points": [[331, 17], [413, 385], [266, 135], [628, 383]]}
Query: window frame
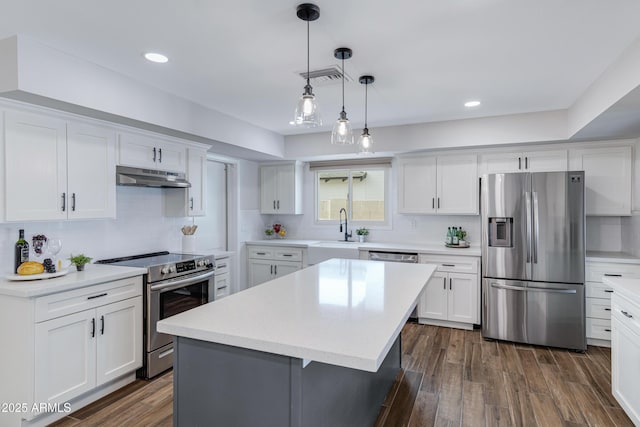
{"points": [[376, 225]]}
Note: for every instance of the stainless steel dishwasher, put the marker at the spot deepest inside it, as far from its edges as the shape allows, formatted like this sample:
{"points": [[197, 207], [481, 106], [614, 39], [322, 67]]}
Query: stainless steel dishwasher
{"points": [[406, 257]]}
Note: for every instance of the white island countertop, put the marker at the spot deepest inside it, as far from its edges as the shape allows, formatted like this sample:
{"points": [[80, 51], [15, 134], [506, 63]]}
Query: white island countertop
{"points": [[630, 288], [93, 274], [341, 312]]}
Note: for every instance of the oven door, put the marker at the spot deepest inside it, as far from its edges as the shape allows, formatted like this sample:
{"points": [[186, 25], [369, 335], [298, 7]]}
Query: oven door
{"points": [[172, 297]]}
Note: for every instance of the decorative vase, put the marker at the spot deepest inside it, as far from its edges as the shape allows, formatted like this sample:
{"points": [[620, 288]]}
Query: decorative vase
{"points": [[188, 243], [80, 267], [361, 238]]}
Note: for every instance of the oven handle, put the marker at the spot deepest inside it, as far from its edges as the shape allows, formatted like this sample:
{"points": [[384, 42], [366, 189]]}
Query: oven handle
{"points": [[180, 283]]}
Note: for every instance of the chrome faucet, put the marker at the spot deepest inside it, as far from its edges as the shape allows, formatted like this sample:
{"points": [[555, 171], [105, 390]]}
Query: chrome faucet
{"points": [[347, 235]]}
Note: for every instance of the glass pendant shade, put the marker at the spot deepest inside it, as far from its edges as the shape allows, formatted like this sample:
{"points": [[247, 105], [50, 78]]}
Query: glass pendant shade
{"points": [[307, 113], [342, 133], [366, 142]]}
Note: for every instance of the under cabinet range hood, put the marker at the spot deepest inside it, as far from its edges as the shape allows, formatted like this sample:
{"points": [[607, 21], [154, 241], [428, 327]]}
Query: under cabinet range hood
{"points": [[140, 177]]}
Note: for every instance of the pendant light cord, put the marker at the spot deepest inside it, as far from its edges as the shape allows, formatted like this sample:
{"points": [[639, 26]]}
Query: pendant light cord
{"points": [[343, 83], [308, 70], [366, 87]]}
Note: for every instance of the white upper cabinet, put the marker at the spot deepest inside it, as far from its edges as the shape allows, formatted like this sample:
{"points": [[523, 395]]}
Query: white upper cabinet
{"points": [[438, 185], [527, 161], [281, 188], [58, 170], [137, 150], [607, 175], [193, 200]]}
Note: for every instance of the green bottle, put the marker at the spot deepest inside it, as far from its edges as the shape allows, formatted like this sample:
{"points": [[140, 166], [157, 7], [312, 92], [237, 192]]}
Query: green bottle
{"points": [[22, 251]]}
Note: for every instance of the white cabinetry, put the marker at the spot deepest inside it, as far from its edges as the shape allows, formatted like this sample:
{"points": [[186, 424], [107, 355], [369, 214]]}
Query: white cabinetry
{"points": [[451, 297], [59, 169], [222, 278], [281, 188], [598, 298], [445, 185], [527, 161], [607, 172], [269, 262], [625, 355], [191, 201], [143, 151]]}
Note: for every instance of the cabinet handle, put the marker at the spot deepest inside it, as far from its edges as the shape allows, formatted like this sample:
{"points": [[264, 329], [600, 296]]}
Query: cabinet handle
{"points": [[160, 157], [607, 309], [450, 284], [287, 254], [612, 275], [626, 314], [271, 270], [93, 327], [609, 291], [519, 163], [261, 253], [438, 202], [526, 163], [219, 266], [448, 265], [221, 288], [275, 269], [97, 296], [433, 203], [274, 205], [101, 325], [64, 202], [444, 283], [73, 202], [607, 330], [278, 204], [154, 154], [191, 200]]}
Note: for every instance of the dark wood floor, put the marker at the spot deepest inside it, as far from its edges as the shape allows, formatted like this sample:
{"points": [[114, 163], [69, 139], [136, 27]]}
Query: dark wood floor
{"points": [[450, 377]]}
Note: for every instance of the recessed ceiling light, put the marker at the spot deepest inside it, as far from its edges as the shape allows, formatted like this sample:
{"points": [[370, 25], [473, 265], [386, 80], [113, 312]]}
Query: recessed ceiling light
{"points": [[470, 104], [156, 57]]}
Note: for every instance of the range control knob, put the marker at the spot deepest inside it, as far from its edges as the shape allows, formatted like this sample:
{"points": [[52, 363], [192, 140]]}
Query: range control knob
{"points": [[165, 270]]}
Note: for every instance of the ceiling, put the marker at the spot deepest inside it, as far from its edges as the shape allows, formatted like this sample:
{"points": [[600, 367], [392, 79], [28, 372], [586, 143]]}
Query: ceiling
{"points": [[241, 57]]}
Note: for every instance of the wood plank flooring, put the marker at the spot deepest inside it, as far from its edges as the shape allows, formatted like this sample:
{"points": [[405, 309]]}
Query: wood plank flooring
{"points": [[450, 377]]}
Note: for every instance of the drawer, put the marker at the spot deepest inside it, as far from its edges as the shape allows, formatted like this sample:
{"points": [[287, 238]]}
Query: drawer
{"points": [[599, 329], [456, 264], [595, 270], [599, 308], [222, 286], [598, 290], [63, 303], [261, 252], [288, 254], [222, 266]]}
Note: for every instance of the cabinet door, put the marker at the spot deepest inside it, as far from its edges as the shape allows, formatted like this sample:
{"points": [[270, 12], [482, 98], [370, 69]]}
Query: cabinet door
{"points": [[545, 161], [282, 268], [260, 271], [171, 156], [197, 175], [463, 298], [119, 343], [417, 185], [36, 176], [268, 189], [607, 175], [137, 151], [286, 189], [433, 300], [625, 368], [91, 177], [501, 163], [65, 357], [458, 185]]}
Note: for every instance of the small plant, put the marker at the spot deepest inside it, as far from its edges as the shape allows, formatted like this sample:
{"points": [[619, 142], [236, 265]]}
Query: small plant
{"points": [[79, 261], [362, 231]]}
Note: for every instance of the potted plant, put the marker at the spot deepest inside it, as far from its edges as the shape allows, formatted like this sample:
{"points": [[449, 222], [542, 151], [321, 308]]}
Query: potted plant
{"points": [[79, 261], [362, 232]]}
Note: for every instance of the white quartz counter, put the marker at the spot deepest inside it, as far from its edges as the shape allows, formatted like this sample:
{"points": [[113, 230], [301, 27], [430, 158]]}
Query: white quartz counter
{"points": [[215, 252], [92, 275], [616, 257], [434, 249], [630, 288], [342, 312]]}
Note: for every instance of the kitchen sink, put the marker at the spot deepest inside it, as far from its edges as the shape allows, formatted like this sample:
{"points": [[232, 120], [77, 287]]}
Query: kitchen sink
{"points": [[323, 251]]}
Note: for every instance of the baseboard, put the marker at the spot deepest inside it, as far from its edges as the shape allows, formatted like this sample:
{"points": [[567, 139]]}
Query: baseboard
{"points": [[445, 323]]}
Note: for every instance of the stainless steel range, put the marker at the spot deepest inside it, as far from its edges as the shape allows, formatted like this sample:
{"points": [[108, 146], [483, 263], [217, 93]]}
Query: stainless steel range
{"points": [[174, 283]]}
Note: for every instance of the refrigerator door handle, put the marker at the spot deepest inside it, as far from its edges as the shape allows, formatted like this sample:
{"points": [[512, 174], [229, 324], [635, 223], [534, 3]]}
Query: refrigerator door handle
{"points": [[527, 196], [533, 289], [536, 228]]}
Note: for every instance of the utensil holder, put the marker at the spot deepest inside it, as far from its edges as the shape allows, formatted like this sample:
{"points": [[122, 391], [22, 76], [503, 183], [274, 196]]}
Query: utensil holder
{"points": [[188, 243]]}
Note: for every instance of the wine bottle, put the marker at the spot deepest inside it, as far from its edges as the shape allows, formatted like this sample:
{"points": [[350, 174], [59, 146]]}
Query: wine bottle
{"points": [[22, 251], [455, 236], [448, 239]]}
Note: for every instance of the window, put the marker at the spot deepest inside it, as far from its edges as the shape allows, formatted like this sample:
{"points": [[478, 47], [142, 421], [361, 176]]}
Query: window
{"points": [[361, 191]]}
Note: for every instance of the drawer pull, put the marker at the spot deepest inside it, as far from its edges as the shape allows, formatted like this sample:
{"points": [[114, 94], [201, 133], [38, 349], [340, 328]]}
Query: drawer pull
{"points": [[219, 266], [626, 314], [221, 288], [607, 309], [97, 296], [612, 275], [448, 265], [287, 254], [609, 291], [607, 330], [261, 253]]}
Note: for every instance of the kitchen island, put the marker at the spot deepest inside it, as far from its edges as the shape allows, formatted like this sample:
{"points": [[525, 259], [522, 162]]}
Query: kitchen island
{"points": [[320, 346]]}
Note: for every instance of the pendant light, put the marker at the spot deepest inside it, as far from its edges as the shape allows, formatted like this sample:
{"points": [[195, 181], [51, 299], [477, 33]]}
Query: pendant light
{"points": [[307, 114], [366, 141], [342, 133]]}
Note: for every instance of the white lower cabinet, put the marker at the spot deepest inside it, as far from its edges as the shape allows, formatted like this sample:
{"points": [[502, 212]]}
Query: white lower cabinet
{"points": [[625, 356], [452, 295], [270, 262], [222, 278]]}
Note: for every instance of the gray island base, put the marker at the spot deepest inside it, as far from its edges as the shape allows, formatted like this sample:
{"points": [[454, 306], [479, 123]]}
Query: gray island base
{"points": [[222, 385]]}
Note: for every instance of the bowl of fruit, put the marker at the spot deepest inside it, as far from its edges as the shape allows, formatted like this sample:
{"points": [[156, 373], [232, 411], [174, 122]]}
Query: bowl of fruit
{"points": [[279, 230]]}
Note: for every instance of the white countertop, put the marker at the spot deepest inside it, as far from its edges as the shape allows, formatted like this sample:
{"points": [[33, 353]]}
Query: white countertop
{"points": [[434, 249], [616, 257], [92, 275], [629, 288], [341, 312], [215, 252]]}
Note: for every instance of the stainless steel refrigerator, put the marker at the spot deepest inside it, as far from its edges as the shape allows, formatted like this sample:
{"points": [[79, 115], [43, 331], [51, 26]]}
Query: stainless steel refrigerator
{"points": [[533, 250]]}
